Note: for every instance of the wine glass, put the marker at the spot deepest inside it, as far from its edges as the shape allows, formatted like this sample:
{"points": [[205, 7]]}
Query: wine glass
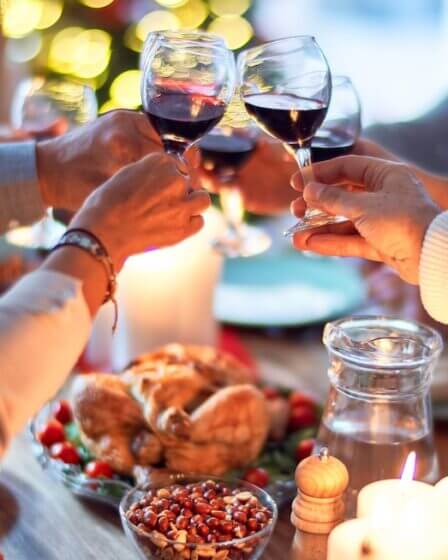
{"points": [[224, 151], [286, 87], [46, 108], [342, 125], [188, 80]]}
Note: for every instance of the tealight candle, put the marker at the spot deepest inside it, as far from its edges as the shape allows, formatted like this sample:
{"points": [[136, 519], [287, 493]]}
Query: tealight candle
{"points": [[349, 541]]}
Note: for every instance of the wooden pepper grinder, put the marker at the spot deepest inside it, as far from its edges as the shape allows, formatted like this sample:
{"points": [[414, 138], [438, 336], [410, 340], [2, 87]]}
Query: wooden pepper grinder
{"points": [[319, 506]]}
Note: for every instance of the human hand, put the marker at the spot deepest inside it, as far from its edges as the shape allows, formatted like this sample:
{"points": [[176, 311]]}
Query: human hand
{"points": [[388, 208], [72, 165], [145, 205], [264, 180]]}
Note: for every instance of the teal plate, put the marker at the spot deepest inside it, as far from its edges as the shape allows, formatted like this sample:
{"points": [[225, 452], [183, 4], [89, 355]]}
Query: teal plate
{"points": [[287, 289]]}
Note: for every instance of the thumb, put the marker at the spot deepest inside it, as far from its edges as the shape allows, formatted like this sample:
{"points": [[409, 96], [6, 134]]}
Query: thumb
{"points": [[335, 200]]}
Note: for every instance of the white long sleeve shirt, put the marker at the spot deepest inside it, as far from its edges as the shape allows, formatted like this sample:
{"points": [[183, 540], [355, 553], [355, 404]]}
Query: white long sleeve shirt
{"points": [[44, 319]]}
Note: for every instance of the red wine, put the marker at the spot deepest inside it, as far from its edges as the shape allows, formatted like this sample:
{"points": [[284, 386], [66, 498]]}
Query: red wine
{"points": [[181, 118], [333, 143], [289, 118], [225, 154]]}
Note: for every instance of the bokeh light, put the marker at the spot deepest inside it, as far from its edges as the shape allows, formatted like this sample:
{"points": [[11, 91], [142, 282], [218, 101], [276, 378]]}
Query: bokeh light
{"points": [[229, 7], [125, 89], [192, 14], [21, 17], [235, 30], [96, 3], [50, 13], [158, 20], [109, 105], [25, 49], [84, 53], [171, 3]]}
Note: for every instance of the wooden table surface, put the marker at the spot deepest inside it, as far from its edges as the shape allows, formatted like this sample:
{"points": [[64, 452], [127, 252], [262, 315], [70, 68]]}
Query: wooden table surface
{"points": [[41, 520]]}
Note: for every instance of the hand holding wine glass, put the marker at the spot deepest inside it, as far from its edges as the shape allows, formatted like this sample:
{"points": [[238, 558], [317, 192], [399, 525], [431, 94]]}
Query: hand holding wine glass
{"points": [[188, 80], [286, 87]]}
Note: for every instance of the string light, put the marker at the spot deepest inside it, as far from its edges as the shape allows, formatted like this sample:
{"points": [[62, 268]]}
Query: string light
{"points": [[125, 89], [21, 17], [229, 7], [192, 14], [158, 20], [96, 3], [235, 30]]}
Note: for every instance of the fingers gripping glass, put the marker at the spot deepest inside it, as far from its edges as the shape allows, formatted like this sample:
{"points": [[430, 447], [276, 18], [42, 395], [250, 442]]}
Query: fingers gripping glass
{"points": [[188, 80], [286, 87]]}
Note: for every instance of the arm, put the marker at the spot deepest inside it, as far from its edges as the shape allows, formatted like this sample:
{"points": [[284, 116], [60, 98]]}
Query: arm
{"points": [[45, 319]]}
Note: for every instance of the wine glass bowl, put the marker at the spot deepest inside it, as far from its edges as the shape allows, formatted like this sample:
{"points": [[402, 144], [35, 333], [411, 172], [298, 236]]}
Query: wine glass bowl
{"points": [[50, 107], [286, 87], [188, 80], [342, 125]]}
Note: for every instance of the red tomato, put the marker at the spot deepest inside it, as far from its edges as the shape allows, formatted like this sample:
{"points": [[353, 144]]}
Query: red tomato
{"points": [[98, 469], [257, 476], [302, 416], [304, 449], [297, 398], [270, 392], [63, 412], [53, 432], [65, 452]]}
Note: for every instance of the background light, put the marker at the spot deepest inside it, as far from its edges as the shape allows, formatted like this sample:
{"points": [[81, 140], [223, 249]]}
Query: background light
{"points": [[229, 7], [96, 3], [192, 14], [50, 13], [20, 17], [171, 3], [125, 89], [109, 105], [235, 30], [158, 20], [23, 50]]}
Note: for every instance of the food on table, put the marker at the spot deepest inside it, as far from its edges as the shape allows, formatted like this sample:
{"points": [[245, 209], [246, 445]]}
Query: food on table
{"points": [[302, 416], [52, 432], [258, 476], [304, 449], [199, 520], [63, 412], [191, 408], [98, 469], [65, 452], [279, 412]]}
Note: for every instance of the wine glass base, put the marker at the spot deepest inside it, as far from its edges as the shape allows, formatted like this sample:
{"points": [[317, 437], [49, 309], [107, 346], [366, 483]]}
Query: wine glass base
{"points": [[314, 221], [247, 242]]}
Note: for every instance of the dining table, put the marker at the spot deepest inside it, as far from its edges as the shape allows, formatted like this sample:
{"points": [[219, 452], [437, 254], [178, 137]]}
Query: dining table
{"points": [[41, 520]]}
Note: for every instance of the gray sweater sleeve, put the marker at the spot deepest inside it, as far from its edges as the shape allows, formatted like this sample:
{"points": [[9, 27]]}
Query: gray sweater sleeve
{"points": [[20, 199]]}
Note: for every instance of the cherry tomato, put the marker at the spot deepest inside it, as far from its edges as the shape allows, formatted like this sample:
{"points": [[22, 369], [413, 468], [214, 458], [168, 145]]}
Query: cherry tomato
{"points": [[302, 416], [304, 449], [52, 432], [257, 476], [63, 412], [65, 452], [98, 469], [270, 392], [297, 398]]}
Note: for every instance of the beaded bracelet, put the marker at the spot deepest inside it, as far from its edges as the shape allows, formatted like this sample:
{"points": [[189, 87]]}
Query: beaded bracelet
{"points": [[88, 242]]}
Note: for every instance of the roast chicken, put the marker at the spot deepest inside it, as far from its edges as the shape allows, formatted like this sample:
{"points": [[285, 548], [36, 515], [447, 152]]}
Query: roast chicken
{"points": [[185, 408]]}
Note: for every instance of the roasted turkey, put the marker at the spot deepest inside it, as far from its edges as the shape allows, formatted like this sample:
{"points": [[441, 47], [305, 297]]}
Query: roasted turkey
{"points": [[186, 408]]}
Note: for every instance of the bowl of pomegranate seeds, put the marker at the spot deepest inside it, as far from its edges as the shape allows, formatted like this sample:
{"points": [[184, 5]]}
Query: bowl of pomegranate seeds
{"points": [[181, 517]]}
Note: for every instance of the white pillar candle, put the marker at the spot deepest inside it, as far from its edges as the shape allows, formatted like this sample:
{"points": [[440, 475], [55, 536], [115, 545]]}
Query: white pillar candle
{"points": [[348, 540]]}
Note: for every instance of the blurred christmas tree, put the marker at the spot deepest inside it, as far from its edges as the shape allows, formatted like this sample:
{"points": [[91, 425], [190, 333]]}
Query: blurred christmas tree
{"points": [[98, 41]]}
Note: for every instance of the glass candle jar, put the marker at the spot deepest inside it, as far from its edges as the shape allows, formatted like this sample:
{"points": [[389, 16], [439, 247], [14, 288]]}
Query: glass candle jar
{"points": [[379, 409]]}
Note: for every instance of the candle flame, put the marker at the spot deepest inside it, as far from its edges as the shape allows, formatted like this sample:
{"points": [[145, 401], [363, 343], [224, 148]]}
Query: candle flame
{"points": [[409, 467]]}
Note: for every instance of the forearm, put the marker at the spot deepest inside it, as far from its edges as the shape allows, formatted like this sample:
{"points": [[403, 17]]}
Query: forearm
{"points": [[44, 326]]}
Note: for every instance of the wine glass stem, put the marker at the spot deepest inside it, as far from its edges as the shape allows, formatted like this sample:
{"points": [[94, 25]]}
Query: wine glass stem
{"points": [[303, 156], [232, 205], [182, 165]]}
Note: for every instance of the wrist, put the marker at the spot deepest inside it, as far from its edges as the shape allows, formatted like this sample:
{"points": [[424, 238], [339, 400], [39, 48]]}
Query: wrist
{"points": [[46, 159]]}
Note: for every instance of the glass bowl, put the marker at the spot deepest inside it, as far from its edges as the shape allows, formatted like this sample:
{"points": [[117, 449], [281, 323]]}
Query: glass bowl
{"points": [[154, 545]]}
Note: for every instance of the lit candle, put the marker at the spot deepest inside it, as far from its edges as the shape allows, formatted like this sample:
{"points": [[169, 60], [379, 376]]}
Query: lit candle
{"points": [[387, 497]]}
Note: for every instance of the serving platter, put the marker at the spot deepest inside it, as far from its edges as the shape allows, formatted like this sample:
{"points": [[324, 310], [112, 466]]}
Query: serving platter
{"points": [[277, 458]]}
